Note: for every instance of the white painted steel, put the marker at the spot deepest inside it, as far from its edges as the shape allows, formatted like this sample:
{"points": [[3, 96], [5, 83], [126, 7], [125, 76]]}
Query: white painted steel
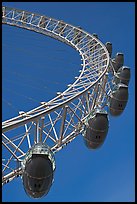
{"points": [[58, 121]]}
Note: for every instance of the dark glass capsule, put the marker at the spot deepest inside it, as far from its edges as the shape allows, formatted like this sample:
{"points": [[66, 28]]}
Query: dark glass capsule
{"points": [[118, 100], [96, 131], [123, 75], [109, 47], [119, 59], [38, 176], [38, 168]]}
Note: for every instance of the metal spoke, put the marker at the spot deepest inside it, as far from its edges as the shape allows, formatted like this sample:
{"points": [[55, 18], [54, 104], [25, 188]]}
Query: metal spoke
{"points": [[68, 110]]}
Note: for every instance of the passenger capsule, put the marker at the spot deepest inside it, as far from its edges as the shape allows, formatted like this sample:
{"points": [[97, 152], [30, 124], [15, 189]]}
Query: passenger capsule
{"points": [[96, 130], [109, 47], [118, 100], [123, 75], [119, 59], [38, 172]]}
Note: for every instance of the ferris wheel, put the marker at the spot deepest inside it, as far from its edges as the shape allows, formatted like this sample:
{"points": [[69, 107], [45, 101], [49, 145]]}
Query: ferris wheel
{"points": [[31, 139]]}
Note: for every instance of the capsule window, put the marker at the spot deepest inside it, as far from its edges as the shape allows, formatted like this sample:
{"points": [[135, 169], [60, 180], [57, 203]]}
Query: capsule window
{"points": [[37, 185], [97, 136]]}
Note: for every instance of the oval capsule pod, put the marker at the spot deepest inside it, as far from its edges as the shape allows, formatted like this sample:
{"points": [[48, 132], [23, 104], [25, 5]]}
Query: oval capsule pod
{"points": [[123, 75], [119, 59], [118, 100], [109, 47], [38, 169], [96, 130], [38, 176]]}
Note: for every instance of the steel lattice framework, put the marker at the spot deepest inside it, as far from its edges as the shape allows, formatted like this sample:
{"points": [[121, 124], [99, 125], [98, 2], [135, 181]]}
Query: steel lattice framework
{"points": [[62, 119]]}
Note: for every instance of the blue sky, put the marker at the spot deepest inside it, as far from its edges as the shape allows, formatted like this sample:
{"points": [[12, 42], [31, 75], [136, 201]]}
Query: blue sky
{"points": [[35, 67]]}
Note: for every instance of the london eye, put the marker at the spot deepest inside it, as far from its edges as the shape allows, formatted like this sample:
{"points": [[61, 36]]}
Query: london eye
{"points": [[100, 90]]}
